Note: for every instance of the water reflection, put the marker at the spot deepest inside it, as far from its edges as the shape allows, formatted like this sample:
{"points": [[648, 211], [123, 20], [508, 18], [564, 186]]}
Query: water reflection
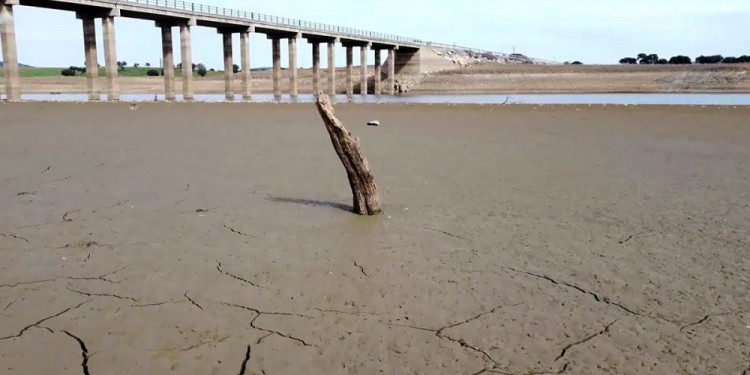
{"points": [[622, 99]]}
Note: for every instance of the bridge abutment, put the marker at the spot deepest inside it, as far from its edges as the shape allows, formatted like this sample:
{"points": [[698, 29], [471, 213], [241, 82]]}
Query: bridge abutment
{"points": [[10, 51]]}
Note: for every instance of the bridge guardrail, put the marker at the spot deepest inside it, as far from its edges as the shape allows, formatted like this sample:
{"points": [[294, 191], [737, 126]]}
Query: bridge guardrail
{"points": [[195, 8]]}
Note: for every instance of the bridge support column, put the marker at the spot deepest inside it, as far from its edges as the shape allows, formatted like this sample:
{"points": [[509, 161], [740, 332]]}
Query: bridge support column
{"points": [[292, 70], [110, 58], [168, 61], [316, 67], [228, 66], [187, 61], [391, 71], [92, 65], [363, 70], [276, 75], [246, 70], [10, 52], [349, 70], [378, 72], [331, 68]]}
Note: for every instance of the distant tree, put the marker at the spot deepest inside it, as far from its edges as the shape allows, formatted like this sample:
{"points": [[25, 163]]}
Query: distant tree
{"points": [[136, 65], [152, 73], [567, 63], [730, 60], [713, 59], [576, 63], [662, 62], [178, 66], [680, 60], [148, 65], [645, 59], [743, 59], [201, 70], [68, 72], [628, 60], [212, 70], [235, 68]]}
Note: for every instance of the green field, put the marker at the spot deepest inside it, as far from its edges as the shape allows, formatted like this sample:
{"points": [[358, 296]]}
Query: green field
{"points": [[128, 72]]}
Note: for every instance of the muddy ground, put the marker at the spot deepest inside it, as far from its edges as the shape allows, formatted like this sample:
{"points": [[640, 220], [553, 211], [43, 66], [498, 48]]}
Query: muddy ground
{"points": [[216, 239]]}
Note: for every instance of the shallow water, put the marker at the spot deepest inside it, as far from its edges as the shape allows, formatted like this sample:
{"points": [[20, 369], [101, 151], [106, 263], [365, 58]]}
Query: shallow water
{"points": [[618, 99]]}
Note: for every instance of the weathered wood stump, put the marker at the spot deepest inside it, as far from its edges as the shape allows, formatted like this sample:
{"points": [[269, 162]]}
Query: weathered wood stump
{"points": [[361, 180]]}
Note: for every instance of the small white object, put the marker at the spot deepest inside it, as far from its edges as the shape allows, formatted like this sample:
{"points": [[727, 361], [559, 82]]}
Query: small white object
{"points": [[373, 123], [64, 258]]}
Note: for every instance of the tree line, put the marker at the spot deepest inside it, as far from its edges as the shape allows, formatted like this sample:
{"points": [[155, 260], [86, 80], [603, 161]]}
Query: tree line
{"points": [[646, 59]]}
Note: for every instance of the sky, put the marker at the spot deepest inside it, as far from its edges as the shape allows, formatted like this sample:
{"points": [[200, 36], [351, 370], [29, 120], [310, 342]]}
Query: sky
{"points": [[591, 31]]}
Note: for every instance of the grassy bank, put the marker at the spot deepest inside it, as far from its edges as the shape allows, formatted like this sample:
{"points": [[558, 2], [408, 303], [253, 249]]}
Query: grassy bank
{"points": [[128, 72]]}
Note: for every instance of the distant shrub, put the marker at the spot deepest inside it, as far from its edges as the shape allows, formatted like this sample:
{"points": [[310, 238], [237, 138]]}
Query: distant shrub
{"points": [[68, 73], [628, 60], [714, 59], [202, 71], [662, 62], [680, 60], [576, 63], [152, 73]]}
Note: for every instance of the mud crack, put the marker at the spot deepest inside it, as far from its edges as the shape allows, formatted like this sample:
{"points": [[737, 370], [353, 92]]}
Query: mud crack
{"points": [[101, 278], [235, 231], [36, 325], [630, 237], [584, 340], [193, 301], [84, 352], [361, 269], [270, 332], [243, 367], [11, 235], [449, 234], [100, 294], [706, 318], [218, 268]]}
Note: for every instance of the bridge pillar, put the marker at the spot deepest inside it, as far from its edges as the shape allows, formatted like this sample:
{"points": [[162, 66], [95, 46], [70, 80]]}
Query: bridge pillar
{"points": [[10, 52], [187, 61], [246, 70], [276, 75], [292, 70], [391, 71], [378, 72], [349, 70], [168, 58], [316, 67], [92, 65], [363, 70], [331, 68], [110, 57], [228, 66]]}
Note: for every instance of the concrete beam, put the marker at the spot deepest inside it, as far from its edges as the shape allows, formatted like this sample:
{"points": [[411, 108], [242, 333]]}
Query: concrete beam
{"points": [[187, 61], [246, 73], [167, 52], [316, 67], [110, 58], [276, 75], [10, 52], [378, 73], [228, 67], [349, 70], [331, 68], [363, 70], [292, 70], [92, 65]]}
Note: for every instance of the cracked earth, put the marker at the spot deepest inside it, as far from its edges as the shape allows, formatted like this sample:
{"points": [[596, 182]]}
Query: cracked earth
{"points": [[519, 240]]}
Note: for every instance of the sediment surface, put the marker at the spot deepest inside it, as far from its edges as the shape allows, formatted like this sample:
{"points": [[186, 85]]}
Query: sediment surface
{"points": [[216, 239]]}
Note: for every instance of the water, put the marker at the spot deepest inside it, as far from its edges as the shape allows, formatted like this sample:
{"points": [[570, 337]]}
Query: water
{"points": [[617, 99]]}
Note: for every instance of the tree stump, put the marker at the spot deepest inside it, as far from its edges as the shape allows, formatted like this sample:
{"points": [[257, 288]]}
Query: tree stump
{"points": [[361, 180]]}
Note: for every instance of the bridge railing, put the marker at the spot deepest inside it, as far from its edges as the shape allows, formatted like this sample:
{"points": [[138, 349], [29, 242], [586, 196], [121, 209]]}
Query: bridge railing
{"points": [[269, 19]]}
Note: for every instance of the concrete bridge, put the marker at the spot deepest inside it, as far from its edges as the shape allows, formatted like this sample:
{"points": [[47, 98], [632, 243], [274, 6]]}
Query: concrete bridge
{"points": [[402, 52]]}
